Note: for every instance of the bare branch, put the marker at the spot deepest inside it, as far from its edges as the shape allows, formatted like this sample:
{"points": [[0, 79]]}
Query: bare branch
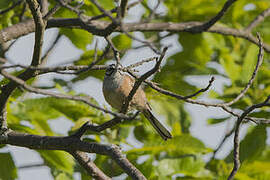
{"points": [[259, 63], [39, 32], [102, 127], [139, 81], [58, 95], [11, 7], [211, 22], [31, 166], [202, 90], [115, 51], [40, 28], [236, 154], [49, 51], [65, 4], [123, 7], [70, 144], [107, 13], [260, 18], [103, 28], [141, 63], [89, 165]]}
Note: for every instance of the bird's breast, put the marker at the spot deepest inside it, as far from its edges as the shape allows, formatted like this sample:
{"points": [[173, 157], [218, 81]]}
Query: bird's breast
{"points": [[113, 93]]}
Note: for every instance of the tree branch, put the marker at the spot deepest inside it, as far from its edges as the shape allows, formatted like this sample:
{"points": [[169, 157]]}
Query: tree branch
{"points": [[70, 144], [89, 165], [139, 81], [236, 154], [58, 95], [258, 65], [8, 88], [11, 7], [260, 18], [211, 22]]}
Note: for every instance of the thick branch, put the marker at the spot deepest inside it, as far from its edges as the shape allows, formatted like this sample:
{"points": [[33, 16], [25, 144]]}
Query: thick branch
{"points": [[103, 28], [70, 144], [8, 89]]}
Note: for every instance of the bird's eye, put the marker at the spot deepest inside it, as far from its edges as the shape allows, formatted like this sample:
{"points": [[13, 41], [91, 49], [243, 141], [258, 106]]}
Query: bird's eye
{"points": [[110, 70]]}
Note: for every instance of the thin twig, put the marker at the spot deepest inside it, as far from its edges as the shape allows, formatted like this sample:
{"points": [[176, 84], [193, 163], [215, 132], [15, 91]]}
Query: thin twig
{"points": [[236, 153], [139, 81], [107, 13], [205, 26], [11, 7], [116, 53], [142, 62], [89, 165], [65, 4], [258, 65], [260, 18], [58, 95]]}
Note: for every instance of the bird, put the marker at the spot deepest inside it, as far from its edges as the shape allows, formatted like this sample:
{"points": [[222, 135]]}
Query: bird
{"points": [[116, 88]]}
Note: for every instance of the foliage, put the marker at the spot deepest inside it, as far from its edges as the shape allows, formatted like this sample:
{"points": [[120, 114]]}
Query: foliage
{"points": [[183, 156]]}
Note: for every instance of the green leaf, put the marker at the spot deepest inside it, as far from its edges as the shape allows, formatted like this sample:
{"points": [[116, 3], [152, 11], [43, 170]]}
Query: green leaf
{"points": [[63, 176], [233, 70], [188, 144], [249, 64], [8, 170], [257, 170], [252, 146], [108, 166], [4, 4], [219, 167], [58, 161], [217, 120], [80, 38], [188, 166], [122, 42]]}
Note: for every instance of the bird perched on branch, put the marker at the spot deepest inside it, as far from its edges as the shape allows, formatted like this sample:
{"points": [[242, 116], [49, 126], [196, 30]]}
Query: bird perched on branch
{"points": [[116, 88]]}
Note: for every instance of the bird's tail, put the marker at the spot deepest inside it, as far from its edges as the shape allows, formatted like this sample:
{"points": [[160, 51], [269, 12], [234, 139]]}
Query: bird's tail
{"points": [[162, 131]]}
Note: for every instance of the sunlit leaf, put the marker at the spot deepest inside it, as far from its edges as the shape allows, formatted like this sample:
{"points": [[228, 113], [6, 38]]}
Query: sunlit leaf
{"points": [[58, 161], [79, 38]]}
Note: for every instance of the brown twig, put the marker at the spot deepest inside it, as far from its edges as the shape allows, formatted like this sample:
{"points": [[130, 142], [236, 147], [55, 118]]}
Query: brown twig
{"points": [[211, 22], [123, 7], [107, 13], [43, 70], [260, 18], [258, 65], [89, 165], [139, 81], [236, 154], [116, 53], [58, 95], [140, 63], [11, 7], [65, 4], [98, 128]]}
